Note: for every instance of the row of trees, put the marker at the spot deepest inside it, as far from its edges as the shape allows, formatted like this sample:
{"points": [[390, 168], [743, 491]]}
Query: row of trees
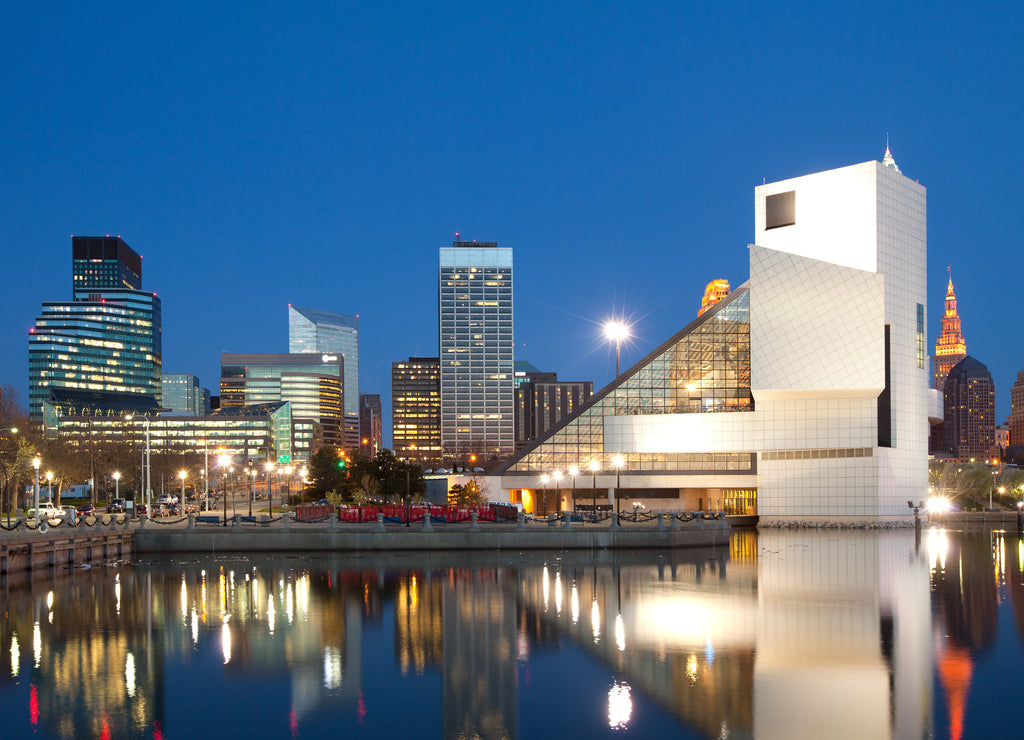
{"points": [[970, 484], [358, 478]]}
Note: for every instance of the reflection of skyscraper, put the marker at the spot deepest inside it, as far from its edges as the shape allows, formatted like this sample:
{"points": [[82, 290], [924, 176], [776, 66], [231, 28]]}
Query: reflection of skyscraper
{"points": [[479, 690], [323, 332]]}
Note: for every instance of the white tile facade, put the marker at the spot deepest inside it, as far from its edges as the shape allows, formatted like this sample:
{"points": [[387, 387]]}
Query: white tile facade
{"points": [[821, 293]]}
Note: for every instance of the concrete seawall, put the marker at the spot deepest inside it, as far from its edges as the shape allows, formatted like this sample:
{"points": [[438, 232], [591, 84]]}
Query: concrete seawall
{"points": [[398, 539], [28, 550]]}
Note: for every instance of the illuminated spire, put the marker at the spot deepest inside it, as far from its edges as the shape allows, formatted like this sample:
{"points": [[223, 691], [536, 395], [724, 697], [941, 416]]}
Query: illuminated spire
{"points": [[887, 159], [950, 346]]}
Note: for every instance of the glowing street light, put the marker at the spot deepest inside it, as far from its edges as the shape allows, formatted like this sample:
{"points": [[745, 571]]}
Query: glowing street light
{"points": [[36, 462], [183, 475], [616, 331]]}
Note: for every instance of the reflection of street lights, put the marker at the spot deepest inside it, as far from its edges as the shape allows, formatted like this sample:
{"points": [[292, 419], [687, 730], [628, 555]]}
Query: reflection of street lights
{"points": [[616, 331]]}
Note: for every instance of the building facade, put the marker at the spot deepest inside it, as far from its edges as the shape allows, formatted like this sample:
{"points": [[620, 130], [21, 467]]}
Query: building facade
{"points": [[103, 348], [543, 401], [802, 395], [969, 422], [184, 396], [247, 433], [475, 344], [715, 291], [311, 383], [311, 331], [416, 409], [370, 423], [1017, 411], [950, 348]]}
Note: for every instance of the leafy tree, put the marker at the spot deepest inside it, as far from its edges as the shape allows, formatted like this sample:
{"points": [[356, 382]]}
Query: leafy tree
{"points": [[325, 475]]}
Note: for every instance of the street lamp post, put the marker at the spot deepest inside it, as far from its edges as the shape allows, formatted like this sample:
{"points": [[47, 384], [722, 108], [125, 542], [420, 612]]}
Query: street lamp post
{"points": [[270, 492], [49, 486], [557, 475], [594, 466], [225, 465], [36, 462], [618, 462], [616, 331], [252, 488], [183, 475], [148, 466], [544, 479], [574, 471]]}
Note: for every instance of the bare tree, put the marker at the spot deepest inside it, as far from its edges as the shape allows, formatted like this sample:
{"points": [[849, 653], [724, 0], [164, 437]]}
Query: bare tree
{"points": [[16, 447]]}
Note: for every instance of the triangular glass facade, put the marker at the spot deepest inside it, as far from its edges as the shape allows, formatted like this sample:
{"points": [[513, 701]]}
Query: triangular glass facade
{"points": [[704, 368]]}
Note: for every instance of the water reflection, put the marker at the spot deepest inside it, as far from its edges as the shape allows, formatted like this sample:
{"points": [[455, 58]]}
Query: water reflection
{"points": [[781, 635]]}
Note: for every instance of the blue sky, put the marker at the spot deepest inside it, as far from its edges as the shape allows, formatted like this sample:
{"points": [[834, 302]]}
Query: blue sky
{"points": [[258, 154]]}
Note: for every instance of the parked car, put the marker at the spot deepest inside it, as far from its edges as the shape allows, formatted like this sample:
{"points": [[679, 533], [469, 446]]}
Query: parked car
{"points": [[167, 499], [46, 511], [116, 506], [86, 510]]}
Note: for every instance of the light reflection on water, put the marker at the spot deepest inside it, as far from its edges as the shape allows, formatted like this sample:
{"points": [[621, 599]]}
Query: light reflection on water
{"points": [[785, 634]]}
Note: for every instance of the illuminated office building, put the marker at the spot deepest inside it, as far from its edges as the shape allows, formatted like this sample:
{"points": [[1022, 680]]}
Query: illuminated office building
{"points": [[416, 409], [311, 331], [184, 396], [1017, 411], [311, 383], [475, 343], [969, 423], [243, 433], [103, 348], [715, 291], [802, 395]]}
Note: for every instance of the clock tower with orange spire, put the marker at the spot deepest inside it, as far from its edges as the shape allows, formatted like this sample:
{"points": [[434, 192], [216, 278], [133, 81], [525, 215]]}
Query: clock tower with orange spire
{"points": [[950, 347]]}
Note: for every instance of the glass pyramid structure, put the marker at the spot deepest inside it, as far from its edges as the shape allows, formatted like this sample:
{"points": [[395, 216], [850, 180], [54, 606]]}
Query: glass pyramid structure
{"points": [[704, 368]]}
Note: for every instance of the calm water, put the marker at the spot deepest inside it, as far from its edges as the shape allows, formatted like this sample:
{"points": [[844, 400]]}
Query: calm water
{"points": [[780, 635]]}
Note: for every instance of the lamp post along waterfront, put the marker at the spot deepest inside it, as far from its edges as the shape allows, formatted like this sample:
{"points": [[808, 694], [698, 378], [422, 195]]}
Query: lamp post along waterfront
{"points": [[36, 462], [594, 465], [618, 462], [182, 474], [616, 331], [573, 471], [557, 475], [544, 479], [270, 492]]}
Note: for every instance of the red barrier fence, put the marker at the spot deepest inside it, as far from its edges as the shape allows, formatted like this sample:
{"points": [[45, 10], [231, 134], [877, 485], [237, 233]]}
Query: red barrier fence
{"points": [[413, 513]]}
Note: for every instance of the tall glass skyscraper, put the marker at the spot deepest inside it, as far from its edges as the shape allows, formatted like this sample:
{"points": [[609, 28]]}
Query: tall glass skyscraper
{"points": [[475, 342], [101, 352], [323, 332]]}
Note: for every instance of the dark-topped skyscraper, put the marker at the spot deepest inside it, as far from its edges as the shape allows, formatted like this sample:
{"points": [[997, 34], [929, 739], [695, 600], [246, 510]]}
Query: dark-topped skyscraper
{"points": [[969, 421], [475, 343], [99, 354]]}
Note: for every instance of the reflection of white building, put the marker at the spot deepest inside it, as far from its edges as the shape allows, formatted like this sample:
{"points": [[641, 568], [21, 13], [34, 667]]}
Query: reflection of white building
{"points": [[807, 385]]}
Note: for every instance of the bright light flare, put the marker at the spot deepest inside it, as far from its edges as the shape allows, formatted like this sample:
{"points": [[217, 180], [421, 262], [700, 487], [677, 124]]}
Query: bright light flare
{"points": [[616, 330], [938, 505], [620, 706]]}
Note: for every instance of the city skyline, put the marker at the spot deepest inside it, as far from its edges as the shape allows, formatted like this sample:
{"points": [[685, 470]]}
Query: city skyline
{"points": [[211, 177]]}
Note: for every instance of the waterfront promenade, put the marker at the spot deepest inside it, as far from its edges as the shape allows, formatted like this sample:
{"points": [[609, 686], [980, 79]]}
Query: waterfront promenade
{"points": [[94, 539]]}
